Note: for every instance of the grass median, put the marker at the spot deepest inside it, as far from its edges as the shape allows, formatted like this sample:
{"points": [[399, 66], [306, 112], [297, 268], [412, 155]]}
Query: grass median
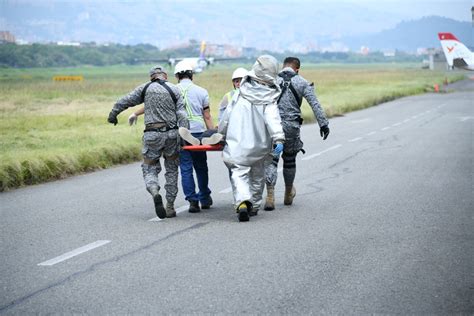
{"points": [[51, 130]]}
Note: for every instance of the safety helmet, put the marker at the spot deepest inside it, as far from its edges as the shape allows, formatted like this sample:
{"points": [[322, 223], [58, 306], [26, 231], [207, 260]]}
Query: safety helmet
{"points": [[182, 66], [239, 73]]}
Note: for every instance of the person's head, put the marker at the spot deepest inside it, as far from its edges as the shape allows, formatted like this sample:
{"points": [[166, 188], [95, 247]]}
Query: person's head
{"points": [[183, 70], [158, 72], [265, 69], [292, 62], [237, 76]]}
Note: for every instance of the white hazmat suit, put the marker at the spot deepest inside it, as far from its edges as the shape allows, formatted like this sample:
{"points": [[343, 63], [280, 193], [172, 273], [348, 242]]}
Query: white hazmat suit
{"points": [[251, 124]]}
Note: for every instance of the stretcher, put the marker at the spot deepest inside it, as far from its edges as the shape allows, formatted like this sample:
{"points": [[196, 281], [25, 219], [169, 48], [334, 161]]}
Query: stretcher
{"points": [[217, 147]]}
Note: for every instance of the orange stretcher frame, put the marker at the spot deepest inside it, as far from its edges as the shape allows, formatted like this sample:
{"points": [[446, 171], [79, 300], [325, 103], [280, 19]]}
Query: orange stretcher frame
{"points": [[217, 147]]}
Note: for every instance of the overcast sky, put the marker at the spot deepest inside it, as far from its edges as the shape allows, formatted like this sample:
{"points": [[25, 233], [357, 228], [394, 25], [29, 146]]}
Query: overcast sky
{"points": [[258, 23], [456, 9]]}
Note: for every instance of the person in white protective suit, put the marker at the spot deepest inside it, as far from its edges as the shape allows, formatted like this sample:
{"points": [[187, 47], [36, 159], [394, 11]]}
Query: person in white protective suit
{"points": [[251, 124]]}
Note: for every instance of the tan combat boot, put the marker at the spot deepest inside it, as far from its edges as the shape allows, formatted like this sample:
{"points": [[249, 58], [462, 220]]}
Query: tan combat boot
{"points": [[170, 212], [290, 193], [270, 201]]}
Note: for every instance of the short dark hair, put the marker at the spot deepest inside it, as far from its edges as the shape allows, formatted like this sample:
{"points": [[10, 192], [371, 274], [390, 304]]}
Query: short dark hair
{"points": [[294, 61], [185, 74]]}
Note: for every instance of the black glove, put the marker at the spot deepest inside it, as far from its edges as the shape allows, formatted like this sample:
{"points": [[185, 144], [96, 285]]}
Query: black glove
{"points": [[112, 119], [324, 131]]}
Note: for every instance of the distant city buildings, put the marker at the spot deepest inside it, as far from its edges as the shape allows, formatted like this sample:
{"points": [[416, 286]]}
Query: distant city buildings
{"points": [[7, 37], [364, 50], [225, 50], [68, 43]]}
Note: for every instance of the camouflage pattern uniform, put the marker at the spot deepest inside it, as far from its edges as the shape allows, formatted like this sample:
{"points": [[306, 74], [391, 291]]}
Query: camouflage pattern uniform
{"points": [[290, 114], [160, 110]]}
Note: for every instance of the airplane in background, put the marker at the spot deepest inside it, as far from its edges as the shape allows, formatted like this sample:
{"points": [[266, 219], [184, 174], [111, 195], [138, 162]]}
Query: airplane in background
{"points": [[197, 63], [456, 53]]}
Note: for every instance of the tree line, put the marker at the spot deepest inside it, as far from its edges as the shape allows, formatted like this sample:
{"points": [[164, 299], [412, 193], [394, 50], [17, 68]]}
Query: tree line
{"points": [[45, 55], [49, 55]]}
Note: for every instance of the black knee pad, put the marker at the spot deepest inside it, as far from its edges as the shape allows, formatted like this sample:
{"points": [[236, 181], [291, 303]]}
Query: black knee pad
{"points": [[289, 161]]}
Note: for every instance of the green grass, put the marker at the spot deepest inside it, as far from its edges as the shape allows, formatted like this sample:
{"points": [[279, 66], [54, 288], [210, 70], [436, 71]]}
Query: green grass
{"points": [[52, 130]]}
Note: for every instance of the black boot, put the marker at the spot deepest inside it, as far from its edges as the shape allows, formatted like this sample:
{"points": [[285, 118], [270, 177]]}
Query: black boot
{"points": [[159, 208], [207, 205], [194, 207], [243, 212]]}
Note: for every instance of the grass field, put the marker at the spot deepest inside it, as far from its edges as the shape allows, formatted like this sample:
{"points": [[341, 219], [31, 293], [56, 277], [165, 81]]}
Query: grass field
{"points": [[51, 130]]}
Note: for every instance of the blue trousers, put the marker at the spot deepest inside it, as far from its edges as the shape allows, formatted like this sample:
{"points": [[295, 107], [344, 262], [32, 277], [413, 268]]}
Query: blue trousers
{"points": [[197, 161]]}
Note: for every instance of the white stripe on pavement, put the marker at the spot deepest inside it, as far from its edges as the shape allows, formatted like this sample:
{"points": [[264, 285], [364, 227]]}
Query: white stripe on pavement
{"points": [[226, 190], [371, 133], [74, 253], [178, 210], [322, 152], [385, 128], [354, 139]]}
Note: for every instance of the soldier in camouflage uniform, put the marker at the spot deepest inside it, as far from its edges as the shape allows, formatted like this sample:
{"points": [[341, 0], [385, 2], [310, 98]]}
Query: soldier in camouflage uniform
{"points": [[294, 88], [164, 114]]}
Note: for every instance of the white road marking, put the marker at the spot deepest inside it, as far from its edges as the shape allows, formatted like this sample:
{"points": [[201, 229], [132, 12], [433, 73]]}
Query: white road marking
{"points": [[226, 190], [73, 253], [465, 118], [385, 128], [397, 124], [371, 133], [354, 139], [322, 152], [414, 116], [178, 210], [361, 120], [406, 120]]}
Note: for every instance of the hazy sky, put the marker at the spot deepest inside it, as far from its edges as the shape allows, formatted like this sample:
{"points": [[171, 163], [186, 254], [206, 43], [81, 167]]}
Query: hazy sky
{"points": [[258, 23], [456, 9]]}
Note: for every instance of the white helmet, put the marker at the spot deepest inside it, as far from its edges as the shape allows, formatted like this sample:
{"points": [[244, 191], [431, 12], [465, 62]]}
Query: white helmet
{"points": [[182, 66], [239, 73]]}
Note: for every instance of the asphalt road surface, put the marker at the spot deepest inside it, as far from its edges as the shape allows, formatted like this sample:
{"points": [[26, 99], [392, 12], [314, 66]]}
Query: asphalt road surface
{"points": [[382, 223]]}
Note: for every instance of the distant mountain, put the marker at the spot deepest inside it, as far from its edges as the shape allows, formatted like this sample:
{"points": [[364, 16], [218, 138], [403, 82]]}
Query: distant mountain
{"points": [[410, 35]]}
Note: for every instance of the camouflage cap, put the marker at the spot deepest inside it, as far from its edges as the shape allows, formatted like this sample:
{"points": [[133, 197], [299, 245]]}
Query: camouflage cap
{"points": [[156, 70]]}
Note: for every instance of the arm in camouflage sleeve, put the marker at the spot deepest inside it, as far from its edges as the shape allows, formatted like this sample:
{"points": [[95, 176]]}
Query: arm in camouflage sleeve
{"points": [[318, 110], [181, 115], [131, 99], [272, 119]]}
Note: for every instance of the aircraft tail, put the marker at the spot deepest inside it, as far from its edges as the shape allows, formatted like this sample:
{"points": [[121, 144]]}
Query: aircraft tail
{"points": [[453, 48], [202, 51]]}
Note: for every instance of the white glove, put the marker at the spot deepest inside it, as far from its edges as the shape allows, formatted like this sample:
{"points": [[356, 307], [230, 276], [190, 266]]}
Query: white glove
{"points": [[132, 119]]}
